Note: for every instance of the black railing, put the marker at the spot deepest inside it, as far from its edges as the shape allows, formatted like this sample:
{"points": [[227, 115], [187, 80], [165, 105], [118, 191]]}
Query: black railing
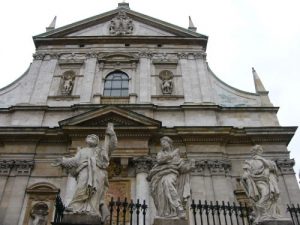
{"points": [[121, 212], [205, 213], [59, 209], [294, 212]]}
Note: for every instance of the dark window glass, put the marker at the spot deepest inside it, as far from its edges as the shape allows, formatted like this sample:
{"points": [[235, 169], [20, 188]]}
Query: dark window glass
{"points": [[116, 84]]}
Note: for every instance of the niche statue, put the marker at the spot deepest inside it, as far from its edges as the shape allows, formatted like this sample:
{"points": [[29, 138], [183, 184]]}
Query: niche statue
{"points": [[170, 182], [89, 167], [260, 182]]}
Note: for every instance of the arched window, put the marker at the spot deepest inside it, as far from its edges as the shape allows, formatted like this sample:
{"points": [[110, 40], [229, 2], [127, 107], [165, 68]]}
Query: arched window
{"points": [[116, 84]]}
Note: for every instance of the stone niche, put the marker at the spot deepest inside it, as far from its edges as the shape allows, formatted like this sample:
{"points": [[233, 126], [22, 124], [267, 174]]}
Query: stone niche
{"points": [[40, 204]]}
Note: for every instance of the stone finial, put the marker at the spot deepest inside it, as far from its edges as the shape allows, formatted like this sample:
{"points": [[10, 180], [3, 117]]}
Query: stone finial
{"points": [[259, 87], [191, 25], [123, 5], [52, 25]]}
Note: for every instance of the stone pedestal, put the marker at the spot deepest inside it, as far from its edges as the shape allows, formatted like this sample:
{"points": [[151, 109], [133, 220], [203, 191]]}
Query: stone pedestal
{"points": [[79, 219], [170, 221], [283, 221]]}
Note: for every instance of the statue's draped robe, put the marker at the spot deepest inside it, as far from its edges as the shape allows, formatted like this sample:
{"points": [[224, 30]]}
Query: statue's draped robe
{"points": [[89, 166], [169, 184], [260, 183]]}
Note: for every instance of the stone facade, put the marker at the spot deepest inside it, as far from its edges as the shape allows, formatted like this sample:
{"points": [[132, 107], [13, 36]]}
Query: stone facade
{"points": [[60, 99]]}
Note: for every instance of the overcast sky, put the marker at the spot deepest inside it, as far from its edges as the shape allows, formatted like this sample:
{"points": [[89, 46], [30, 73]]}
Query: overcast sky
{"points": [[264, 34]]}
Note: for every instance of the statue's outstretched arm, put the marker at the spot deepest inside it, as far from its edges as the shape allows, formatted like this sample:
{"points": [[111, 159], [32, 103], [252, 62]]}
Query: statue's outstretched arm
{"points": [[68, 163], [111, 141]]}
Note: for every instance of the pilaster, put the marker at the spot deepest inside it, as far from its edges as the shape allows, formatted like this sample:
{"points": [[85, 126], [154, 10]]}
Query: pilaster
{"points": [[144, 77], [88, 78]]}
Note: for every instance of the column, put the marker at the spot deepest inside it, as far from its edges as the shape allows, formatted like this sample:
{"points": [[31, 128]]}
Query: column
{"points": [[186, 77], [88, 78], [219, 169], [17, 192], [287, 182], [145, 78], [207, 92], [44, 79], [142, 167], [5, 168]]}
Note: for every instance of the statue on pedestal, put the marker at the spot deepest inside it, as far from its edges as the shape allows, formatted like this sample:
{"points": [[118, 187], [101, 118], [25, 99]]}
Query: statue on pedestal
{"points": [[169, 181], [260, 182], [89, 167]]}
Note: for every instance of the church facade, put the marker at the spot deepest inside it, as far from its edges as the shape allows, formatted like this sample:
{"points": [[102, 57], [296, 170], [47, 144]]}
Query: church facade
{"points": [[151, 79]]}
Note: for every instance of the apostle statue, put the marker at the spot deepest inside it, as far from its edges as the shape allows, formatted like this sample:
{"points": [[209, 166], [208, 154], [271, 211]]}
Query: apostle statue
{"points": [[89, 167], [169, 181], [260, 181]]}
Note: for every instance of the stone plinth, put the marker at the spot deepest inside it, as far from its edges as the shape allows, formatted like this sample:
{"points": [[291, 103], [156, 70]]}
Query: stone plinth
{"points": [[283, 221], [169, 221], [79, 219]]}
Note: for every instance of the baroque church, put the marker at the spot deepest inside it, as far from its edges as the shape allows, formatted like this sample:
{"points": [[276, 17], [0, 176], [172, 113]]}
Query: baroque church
{"points": [[150, 79]]}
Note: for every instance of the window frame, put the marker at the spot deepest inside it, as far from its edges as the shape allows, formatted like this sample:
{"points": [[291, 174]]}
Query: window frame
{"points": [[118, 86]]}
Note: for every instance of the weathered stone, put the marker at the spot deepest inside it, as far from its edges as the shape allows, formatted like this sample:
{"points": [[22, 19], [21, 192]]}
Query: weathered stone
{"points": [[281, 221], [167, 221]]}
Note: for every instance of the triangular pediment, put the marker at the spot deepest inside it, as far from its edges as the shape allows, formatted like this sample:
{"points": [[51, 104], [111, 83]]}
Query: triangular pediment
{"points": [[110, 114], [120, 22]]}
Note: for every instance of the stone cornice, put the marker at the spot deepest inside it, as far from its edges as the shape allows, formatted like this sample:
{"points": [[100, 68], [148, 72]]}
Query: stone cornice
{"points": [[40, 41], [211, 134], [140, 106]]}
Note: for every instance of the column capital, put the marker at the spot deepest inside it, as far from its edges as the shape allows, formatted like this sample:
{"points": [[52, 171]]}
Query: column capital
{"points": [[285, 165], [143, 164], [218, 167], [145, 54], [6, 166], [38, 56], [182, 55], [24, 167]]}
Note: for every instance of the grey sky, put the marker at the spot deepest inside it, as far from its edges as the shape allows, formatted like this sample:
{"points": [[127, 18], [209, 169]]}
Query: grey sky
{"points": [[264, 34]]}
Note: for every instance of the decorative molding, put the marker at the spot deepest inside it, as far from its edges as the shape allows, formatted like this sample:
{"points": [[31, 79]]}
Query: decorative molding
{"points": [[200, 55], [6, 166], [218, 167], [38, 56], [54, 56], [200, 166], [215, 167], [91, 55], [146, 54], [143, 164], [182, 55], [24, 167], [121, 24], [285, 165]]}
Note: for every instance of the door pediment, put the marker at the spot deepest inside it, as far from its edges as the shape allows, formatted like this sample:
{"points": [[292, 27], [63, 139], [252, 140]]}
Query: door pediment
{"points": [[121, 118]]}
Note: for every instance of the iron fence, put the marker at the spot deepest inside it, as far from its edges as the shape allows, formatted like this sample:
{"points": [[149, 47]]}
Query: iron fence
{"points": [[205, 213], [121, 212], [294, 212]]}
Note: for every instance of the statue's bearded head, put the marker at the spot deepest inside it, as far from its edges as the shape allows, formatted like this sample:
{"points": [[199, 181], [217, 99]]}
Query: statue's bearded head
{"points": [[166, 143], [92, 140], [257, 150]]}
